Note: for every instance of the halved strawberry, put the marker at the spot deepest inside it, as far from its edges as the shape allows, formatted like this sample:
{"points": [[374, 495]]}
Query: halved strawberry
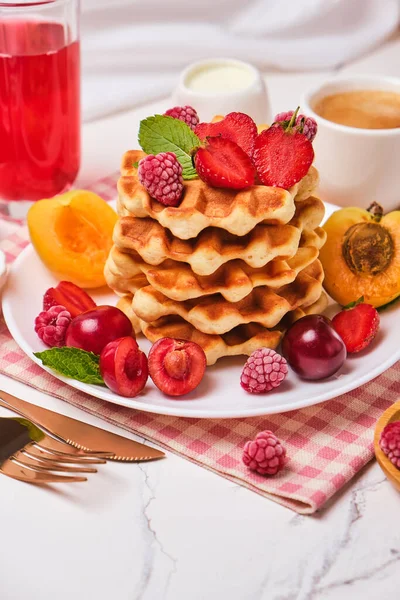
{"points": [[69, 295], [222, 163], [357, 326], [282, 155], [236, 127]]}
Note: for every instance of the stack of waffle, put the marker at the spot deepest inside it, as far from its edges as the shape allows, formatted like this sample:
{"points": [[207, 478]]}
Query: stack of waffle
{"points": [[226, 269]]}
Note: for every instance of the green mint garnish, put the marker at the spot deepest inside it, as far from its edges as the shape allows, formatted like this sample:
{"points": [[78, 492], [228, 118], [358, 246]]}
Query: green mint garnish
{"points": [[166, 134], [74, 363]]}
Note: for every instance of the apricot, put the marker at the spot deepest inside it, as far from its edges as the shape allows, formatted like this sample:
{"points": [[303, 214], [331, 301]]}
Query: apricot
{"points": [[72, 234], [361, 256]]}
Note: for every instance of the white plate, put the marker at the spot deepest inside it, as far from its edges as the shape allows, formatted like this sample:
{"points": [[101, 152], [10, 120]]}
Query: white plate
{"points": [[219, 394]]}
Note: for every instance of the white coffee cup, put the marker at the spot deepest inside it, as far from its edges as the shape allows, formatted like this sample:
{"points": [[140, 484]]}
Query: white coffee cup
{"points": [[356, 166], [219, 86]]}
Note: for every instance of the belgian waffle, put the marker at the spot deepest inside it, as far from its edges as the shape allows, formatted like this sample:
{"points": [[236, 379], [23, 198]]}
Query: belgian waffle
{"points": [[215, 315], [236, 212], [227, 269], [126, 273], [214, 247], [243, 339]]}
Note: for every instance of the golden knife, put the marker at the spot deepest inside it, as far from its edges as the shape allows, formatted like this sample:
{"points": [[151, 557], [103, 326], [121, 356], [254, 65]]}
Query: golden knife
{"points": [[81, 435]]}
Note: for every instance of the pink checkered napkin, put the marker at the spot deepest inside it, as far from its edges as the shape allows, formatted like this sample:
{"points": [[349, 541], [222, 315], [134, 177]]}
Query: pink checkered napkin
{"points": [[326, 444]]}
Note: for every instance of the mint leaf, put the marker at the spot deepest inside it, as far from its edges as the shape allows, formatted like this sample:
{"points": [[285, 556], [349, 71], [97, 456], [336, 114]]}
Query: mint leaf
{"points": [[74, 363], [166, 134]]}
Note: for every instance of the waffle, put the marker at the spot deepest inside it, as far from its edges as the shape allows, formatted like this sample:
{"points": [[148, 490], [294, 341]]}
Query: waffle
{"points": [[125, 304], [215, 315], [316, 308], [236, 212], [214, 247], [126, 273], [243, 339]]}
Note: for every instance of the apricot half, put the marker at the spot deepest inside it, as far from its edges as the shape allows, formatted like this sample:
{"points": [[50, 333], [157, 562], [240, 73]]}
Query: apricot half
{"points": [[361, 256], [72, 234]]}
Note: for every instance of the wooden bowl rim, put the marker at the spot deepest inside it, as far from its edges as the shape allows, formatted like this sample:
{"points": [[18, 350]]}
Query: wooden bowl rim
{"points": [[391, 414]]}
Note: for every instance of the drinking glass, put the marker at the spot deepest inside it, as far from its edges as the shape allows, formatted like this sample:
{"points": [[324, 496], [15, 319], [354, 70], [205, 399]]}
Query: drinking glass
{"points": [[39, 99]]}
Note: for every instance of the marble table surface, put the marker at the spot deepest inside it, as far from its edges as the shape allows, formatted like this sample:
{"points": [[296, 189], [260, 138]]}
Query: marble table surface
{"points": [[171, 530]]}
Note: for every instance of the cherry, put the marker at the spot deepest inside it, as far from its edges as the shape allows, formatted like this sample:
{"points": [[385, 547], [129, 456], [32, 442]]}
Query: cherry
{"points": [[124, 367], [313, 348], [93, 329], [176, 366]]}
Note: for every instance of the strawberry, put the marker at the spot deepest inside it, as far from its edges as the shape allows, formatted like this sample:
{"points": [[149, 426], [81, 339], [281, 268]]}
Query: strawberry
{"points": [[357, 325], [222, 163], [69, 295], [236, 127], [282, 154]]}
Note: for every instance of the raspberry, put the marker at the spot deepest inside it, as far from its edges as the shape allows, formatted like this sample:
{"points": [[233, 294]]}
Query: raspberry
{"points": [[309, 124], [390, 442], [51, 325], [265, 454], [161, 175], [264, 370], [187, 114]]}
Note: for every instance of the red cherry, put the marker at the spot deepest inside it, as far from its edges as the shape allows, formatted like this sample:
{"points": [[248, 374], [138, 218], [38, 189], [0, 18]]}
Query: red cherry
{"points": [[176, 366], [94, 329], [124, 367], [313, 348]]}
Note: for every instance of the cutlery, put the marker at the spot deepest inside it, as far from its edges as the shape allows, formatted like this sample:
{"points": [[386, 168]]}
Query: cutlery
{"points": [[81, 435], [28, 454]]}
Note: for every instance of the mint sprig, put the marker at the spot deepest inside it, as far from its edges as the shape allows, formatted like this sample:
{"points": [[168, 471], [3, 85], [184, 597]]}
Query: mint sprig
{"points": [[166, 134], [74, 363]]}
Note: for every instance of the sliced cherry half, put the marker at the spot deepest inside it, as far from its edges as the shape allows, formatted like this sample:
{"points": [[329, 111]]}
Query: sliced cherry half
{"points": [[124, 367], [176, 366]]}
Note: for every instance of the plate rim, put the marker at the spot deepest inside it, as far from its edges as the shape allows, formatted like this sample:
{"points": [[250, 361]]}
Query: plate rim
{"points": [[176, 410]]}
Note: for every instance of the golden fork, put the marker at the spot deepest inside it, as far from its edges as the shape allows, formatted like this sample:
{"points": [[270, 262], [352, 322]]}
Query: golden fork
{"points": [[28, 454]]}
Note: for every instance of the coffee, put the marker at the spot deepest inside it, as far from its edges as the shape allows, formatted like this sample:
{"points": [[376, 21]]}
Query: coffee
{"points": [[364, 109]]}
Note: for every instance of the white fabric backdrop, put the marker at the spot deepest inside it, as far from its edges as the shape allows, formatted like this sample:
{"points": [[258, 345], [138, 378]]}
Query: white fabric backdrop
{"points": [[133, 50]]}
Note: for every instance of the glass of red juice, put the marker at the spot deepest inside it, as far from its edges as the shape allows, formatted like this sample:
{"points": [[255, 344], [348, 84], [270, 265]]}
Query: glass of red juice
{"points": [[39, 100]]}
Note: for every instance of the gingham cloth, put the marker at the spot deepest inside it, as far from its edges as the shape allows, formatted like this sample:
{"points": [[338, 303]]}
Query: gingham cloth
{"points": [[326, 444]]}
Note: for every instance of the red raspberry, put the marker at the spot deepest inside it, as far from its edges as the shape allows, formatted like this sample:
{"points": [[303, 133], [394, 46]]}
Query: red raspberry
{"points": [[161, 175], [51, 325], [390, 442], [265, 454], [187, 114], [309, 124], [264, 370]]}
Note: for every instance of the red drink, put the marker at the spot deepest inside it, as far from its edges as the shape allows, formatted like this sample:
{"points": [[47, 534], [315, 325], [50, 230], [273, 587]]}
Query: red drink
{"points": [[39, 109]]}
